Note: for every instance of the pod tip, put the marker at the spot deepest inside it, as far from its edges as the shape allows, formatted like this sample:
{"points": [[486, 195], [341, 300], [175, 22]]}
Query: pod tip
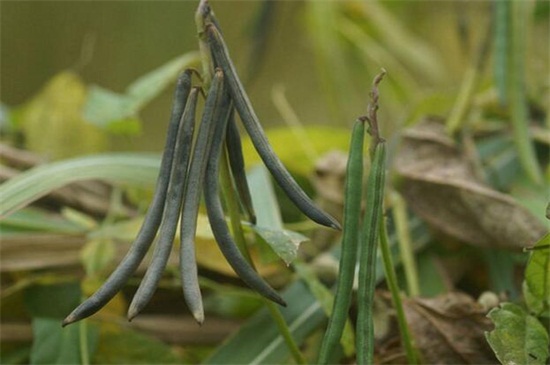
{"points": [[70, 319]]}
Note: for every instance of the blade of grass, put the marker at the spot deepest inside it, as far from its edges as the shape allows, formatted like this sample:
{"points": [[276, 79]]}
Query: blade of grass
{"points": [[33, 184], [502, 20], [391, 279], [234, 215], [516, 90], [303, 314], [405, 246]]}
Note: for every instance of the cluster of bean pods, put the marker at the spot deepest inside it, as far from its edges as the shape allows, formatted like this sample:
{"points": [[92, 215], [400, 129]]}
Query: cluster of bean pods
{"points": [[365, 235], [189, 169]]}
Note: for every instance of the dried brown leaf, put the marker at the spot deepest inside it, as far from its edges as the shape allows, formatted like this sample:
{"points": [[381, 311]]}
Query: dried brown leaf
{"points": [[439, 182], [448, 329]]}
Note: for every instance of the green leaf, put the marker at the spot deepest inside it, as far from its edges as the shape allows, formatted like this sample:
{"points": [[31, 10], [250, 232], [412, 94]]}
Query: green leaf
{"points": [[130, 347], [118, 112], [52, 121], [33, 219], [269, 224], [303, 314], [536, 286], [39, 181], [290, 148], [259, 342], [54, 344], [518, 337], [104, 108], [326, 299], [96, 255], [284, 243], [38, 299]]}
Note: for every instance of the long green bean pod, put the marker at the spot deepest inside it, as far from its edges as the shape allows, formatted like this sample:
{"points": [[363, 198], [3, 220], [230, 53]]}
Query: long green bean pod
{"points": [[219, 227], [367, 258], [257, 135], [348, 257], [215, 110], [236, 162], [152, 220], [171, 214]]}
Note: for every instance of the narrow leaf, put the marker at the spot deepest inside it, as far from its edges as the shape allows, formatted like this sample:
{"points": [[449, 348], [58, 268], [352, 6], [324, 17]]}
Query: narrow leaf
{"points": [[39, 181], [104, 107]]}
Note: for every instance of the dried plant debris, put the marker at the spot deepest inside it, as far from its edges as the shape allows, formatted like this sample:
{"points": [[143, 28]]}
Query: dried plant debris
{"points": [[448, 329], [439, 182]]}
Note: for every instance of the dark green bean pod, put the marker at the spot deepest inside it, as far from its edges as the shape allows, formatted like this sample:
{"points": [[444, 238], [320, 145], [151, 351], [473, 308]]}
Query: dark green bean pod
{"points": [[152, 220], [367, 258], [236, 162], [219, 226], [257, 135], [216, 109], [171, 214], [348, 257]]}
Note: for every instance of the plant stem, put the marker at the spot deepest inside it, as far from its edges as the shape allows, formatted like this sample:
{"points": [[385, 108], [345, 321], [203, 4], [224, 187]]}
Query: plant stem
{"points": [[469, 84], [232, 204], [516, 91], [83, 342], [405, 246], [391, 279]]}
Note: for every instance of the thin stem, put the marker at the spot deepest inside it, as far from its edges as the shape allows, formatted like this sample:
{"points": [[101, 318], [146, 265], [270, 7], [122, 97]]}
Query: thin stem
{"points": [[469, 85], [232, 204], [83, 342], [405, 245], [516, 91], [285, 331], [391, 280]]}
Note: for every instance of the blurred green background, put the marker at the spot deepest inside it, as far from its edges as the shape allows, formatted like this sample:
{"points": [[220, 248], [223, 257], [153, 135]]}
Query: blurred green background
{"points": [[111, 43]]}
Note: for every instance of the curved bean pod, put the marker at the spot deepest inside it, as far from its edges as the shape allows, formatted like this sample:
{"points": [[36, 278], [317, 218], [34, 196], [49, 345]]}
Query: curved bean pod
{"points": [[236, 162], [152, 220], [348, 257], [219, 226], [216, 109], [257, 135], [171, 214]]}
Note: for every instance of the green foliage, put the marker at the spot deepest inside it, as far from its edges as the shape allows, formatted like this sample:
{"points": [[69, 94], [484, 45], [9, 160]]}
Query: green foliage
{"points": [[351, 40], [35, 183], [52, 121], [258, 341], [536, 287], [117, 113], [130, 347], [55, 345], [518, 337]]}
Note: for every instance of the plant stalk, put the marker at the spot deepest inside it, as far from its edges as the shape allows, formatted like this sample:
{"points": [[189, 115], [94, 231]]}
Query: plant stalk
{"points": [[391, 280], [232, 205], [405, 245]]}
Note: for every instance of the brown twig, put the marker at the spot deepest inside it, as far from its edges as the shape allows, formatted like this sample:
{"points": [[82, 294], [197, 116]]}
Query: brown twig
{"points": [[372, 109]]}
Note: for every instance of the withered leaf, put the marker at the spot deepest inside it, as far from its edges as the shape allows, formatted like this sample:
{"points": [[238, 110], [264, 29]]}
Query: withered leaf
{"points": [[439, 182], [448, 329]]}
